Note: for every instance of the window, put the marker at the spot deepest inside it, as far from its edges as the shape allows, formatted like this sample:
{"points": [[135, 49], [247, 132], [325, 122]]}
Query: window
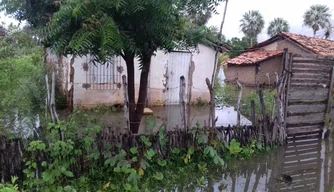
{"points": [[103, 76]]}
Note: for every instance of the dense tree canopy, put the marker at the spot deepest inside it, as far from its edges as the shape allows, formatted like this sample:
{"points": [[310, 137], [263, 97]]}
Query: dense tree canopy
{"points": [[22, 83], [239, 46], [35, 12]]}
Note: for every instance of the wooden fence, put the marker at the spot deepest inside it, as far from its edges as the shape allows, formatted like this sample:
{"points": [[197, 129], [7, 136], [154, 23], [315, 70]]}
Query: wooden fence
{"points": [[12, 151], [309, 89]]}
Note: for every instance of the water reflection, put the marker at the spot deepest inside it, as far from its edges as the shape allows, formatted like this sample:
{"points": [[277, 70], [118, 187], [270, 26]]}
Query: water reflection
{"points": [[168, 116], [309, 162]]}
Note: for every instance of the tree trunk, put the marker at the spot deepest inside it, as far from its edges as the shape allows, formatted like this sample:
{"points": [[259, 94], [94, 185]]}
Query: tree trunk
{"points": [[134, 125], [71, 89], [213, 78], [136, 111], [129, 59]]}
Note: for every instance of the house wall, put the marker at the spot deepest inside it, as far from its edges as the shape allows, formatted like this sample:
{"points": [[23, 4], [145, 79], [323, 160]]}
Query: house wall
{"points": [[267, 70], [291, 46], [245, 74], [204, 64], [88, 97]]}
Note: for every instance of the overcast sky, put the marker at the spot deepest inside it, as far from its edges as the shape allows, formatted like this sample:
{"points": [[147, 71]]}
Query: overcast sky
{"points": [[290, 10]]}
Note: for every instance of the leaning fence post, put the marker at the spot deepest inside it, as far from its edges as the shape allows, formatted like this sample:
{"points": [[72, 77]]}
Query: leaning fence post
{"points": [[239, 103], [126, 103], [182, 101]]}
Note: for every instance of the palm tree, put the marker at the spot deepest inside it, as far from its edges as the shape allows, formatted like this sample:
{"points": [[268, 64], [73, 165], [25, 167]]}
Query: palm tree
{"points": [[252, 24], [328, 31], [276, 26], [317, 17]]}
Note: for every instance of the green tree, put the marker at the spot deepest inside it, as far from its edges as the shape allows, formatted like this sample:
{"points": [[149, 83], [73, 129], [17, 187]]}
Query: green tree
{"points": [[317, 17], [125, 28], [36, 13], [252, 24], [276, 26], [239, 46], [22, 94]]}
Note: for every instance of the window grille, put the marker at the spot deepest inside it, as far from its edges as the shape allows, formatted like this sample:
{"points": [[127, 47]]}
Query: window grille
{"points": [[103, 76]]}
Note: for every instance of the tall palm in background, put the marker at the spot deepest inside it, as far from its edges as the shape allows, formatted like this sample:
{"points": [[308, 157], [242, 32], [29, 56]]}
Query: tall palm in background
{"points": [[317, 17], [328, 31], [276, 26], [252, 24]]}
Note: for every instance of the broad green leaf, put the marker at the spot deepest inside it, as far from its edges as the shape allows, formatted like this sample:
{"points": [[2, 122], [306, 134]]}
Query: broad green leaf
{"points": [[162, 163], [127, 187], [117, 169], [158, 176], [68, 173], [191, 150], [144, 164], [134, 159], [46, 176], [44, 163], [176, 150], [134, 150]]}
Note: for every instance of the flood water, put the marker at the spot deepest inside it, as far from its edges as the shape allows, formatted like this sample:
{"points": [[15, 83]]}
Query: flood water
{"points": [[168, 116], [309, 163]]}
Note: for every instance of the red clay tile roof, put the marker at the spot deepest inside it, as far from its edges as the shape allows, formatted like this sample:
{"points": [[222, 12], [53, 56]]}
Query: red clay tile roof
{"points": [[316, 45], [253, 57]]}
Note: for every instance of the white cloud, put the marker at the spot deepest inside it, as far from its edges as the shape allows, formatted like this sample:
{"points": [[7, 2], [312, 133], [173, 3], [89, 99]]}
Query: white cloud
{"points": [[290, 10]]}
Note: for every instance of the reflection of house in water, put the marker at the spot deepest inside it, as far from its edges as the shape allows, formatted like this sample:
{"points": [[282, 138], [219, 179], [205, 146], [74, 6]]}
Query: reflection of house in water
{"points": [[171, 117], [309, 162]]}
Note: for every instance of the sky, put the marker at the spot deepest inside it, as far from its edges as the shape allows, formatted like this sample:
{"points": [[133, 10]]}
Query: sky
{"points": [[290, 10]]}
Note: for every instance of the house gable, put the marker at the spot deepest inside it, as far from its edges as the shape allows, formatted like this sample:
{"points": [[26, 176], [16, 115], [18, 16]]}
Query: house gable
{"points": [[297, 44]]}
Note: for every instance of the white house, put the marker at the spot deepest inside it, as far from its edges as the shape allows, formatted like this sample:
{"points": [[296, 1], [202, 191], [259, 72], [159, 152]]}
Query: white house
{"points": [[97, 85]]}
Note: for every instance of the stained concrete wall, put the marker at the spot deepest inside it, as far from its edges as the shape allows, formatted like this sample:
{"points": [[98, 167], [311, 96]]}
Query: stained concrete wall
{"points": [[87, 97]]}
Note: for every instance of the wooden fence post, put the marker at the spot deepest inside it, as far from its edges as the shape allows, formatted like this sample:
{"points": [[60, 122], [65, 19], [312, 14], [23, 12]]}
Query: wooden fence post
{"points": [[239, 103], [182, 101], [126, 104], [212, 115], [253, 113], [264, 118]]}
